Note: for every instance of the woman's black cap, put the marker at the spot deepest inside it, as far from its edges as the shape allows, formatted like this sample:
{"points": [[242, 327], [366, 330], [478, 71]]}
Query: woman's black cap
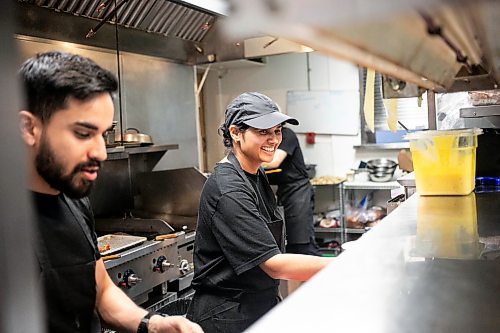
{"points": [[255, 110]]}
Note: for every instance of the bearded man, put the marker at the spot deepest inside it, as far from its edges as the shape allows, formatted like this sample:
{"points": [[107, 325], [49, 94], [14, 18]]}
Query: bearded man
{"points": [[69, 109]]}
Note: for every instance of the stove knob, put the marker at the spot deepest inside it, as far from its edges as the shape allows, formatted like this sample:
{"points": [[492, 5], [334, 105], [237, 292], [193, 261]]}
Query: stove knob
{"points": [[129, 279], [133, 280], [166, 265], [184, 266], [162, 265]]}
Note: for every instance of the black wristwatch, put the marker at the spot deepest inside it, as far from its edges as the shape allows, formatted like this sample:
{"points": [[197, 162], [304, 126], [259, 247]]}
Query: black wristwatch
{"points": [[143, 325]]}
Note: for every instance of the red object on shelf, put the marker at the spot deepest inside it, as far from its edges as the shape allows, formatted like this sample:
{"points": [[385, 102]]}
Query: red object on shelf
{"points": [[310, 138]]}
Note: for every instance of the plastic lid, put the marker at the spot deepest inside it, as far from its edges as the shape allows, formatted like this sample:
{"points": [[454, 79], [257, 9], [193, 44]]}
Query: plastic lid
{"points": [[431, 133]]}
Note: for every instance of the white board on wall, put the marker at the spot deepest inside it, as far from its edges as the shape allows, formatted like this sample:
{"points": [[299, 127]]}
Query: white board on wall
{"points": [[325, 111]]}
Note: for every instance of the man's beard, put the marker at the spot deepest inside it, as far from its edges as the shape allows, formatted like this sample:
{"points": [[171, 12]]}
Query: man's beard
{"points": [[52, 170]]}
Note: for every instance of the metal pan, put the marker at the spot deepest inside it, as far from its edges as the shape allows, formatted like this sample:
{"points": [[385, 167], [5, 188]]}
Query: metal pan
{"points": [[132, 136], [118, 243]]}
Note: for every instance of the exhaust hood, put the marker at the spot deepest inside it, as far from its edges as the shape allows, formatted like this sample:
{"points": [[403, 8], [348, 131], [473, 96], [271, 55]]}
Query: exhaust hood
{"points": [[443, 46], [170, 29]]}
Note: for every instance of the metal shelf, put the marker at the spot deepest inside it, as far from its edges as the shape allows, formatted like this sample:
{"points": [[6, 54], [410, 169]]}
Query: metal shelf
{"points": [[123, 152], [324, 185], [383, 146], [327, 230], [480, 111], [368, 185], [354, 231], [371, 185]]}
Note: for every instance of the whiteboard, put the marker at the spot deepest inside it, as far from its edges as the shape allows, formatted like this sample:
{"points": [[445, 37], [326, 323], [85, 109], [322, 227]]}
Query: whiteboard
{"points": [[325, 111]]}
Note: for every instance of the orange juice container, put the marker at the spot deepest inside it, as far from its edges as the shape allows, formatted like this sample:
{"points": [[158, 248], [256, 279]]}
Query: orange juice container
{"points": [[444, 161]]}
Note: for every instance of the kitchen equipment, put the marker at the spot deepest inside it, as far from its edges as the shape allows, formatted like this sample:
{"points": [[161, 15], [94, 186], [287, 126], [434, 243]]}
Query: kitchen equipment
{"points": [[117, 243], [163, 259], [381, 169], [444, 161], [133, 137]]}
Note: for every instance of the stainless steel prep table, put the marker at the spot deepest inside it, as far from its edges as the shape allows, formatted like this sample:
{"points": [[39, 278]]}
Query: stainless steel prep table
{"points": [[400, 277]]}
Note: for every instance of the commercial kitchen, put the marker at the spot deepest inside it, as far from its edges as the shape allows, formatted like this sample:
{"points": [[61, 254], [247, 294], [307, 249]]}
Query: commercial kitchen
{"points": [[362, 78]]}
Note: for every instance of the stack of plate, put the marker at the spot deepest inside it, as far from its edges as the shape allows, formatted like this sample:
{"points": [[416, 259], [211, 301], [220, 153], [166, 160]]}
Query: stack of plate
{"points": [[381, 169]]}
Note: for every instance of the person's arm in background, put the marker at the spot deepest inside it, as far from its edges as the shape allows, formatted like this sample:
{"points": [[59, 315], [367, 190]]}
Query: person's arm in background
{"points": [[289, 266], [122, 314], [279, 157]]}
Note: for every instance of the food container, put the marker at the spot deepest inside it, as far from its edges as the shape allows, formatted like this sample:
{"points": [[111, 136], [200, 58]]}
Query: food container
{"points": [[444, 161], [350, 175]]}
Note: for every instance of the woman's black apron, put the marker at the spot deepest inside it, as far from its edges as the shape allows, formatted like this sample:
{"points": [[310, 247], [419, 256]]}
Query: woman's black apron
{"points": [[72, 289], [235, 312]]}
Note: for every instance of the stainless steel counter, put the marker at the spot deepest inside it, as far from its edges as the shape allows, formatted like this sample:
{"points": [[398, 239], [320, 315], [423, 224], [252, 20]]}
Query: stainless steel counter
{"points": [[425, 268]]}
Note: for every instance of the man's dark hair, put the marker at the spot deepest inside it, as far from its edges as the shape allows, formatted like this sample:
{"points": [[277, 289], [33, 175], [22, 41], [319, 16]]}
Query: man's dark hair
{"points": [[51, 78]]}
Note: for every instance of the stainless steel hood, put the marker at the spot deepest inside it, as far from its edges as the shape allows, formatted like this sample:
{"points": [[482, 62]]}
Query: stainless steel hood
{"points": [[170, 29], [435, 44]]}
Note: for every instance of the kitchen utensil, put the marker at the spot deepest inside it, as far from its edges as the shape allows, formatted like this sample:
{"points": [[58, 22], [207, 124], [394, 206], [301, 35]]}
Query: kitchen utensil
{"points": [[111, 257], [132, 136], [272, 171], [168, 236], [381, 169]]}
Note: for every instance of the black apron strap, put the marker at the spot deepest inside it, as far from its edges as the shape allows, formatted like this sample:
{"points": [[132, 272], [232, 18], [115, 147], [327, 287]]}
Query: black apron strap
{"points": [[78, 217]]}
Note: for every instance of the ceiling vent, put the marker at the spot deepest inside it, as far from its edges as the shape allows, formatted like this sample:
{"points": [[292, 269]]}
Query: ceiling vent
{"points": [[155, 16]]}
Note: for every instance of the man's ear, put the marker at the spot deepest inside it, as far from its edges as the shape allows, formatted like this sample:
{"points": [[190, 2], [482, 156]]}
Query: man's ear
{"points": [[28, 124]]}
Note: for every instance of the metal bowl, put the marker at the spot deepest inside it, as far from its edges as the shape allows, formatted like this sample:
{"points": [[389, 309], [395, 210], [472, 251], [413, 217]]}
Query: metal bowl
{"points": [[381, 177], [381, 163], [381, 170]]}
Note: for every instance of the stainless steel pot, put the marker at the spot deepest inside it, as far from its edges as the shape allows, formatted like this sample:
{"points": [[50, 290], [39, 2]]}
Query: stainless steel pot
{"points": [[132, 136]]}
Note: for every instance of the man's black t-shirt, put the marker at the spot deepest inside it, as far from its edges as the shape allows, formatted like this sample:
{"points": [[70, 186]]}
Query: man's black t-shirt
{"points": [[293, 168], [63, 237], [232, 236], [67, 251], [295, 193]]}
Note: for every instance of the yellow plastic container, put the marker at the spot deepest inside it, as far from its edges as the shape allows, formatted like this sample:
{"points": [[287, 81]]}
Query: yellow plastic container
{"points": [[444, 161]]}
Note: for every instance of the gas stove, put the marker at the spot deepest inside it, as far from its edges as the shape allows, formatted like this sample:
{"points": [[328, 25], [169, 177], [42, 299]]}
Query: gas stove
{"points": [[162, 264]]}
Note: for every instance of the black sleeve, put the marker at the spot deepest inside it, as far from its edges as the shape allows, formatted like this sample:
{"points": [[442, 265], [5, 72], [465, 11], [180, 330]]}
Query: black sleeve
{"points": [[242, 232], [289, 141]]}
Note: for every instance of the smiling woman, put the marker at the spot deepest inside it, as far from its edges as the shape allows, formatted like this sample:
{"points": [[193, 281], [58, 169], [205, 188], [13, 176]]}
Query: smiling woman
{"points": [[239, 245], [255, 146]]}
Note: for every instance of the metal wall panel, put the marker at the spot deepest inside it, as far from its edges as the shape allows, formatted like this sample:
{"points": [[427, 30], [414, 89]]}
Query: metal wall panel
{"points": [[157, 96]]}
